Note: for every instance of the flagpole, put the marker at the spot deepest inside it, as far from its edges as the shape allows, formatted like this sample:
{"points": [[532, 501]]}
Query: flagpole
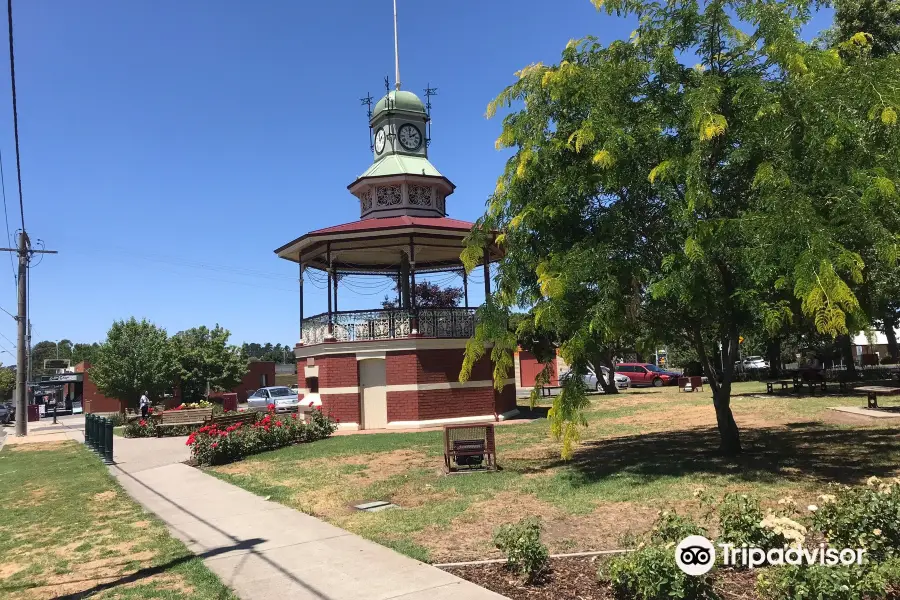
{"points": [[396, 51]]}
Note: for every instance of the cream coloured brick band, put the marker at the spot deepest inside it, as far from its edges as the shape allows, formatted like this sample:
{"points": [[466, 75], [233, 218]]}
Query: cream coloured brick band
{"points": [[414, 387], [450, 421]]}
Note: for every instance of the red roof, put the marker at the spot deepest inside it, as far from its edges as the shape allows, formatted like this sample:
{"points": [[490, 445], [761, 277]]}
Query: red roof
{"points": [[396, 223]]}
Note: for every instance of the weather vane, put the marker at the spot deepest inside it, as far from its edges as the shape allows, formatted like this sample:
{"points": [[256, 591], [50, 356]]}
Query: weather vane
{"points": [[367, 102], [429, 92]]}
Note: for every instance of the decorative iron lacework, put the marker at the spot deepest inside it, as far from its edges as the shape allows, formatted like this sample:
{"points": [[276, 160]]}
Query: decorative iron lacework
{"points": [[440, 204], [315, 329], [366, 198], [388, 196], [361, 325], [419, 195], [446, 322]]}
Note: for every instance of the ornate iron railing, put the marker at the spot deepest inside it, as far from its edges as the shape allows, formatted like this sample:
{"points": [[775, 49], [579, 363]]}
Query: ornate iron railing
{"points": [[364, 325]]}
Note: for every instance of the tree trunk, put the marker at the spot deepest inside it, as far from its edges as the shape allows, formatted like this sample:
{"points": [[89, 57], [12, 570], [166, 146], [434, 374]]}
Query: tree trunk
{"points": [[730, 437], [846, 349], [729, 434], [890, 325], [607, 383]]}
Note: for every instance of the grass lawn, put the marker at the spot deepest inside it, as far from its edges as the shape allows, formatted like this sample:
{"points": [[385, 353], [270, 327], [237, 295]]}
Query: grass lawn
{"points": [[643, 451], [68, 530]]}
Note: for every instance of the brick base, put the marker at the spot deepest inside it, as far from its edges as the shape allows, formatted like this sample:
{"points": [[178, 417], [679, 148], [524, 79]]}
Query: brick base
{"points": [[421, 385]]}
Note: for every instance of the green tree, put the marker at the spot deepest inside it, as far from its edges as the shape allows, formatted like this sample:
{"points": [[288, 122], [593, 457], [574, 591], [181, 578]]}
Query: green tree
{"points": [[136, 357], [207, 362], [83, 352], [864, 29], [879, 19], [7, 381], [649, 197], [430, 295], [40, 352]]}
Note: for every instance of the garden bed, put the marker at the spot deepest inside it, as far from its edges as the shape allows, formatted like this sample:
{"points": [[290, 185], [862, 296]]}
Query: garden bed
{"points": [[215, 445], [575, 578]]}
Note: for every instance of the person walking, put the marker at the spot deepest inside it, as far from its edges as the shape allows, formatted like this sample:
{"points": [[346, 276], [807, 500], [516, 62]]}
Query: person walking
{"points": [[145, 405]]}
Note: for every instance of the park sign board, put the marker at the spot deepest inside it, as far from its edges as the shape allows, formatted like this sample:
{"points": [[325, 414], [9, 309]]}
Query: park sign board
{"points": [[63, 378], [56, 363]]}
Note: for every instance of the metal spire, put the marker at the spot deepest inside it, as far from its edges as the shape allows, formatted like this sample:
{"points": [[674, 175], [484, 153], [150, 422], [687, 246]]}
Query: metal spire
{"points": [[396, 51]]}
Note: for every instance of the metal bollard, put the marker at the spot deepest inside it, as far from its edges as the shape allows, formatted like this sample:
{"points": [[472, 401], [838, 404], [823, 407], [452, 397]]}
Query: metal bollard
{"points": [[94, 422], [101, 443], [89, 430], [108, 454]]}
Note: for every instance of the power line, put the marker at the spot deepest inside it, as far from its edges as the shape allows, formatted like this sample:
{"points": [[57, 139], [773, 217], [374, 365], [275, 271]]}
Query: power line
{"points": [[8, 340], [9, 313], [6, 216], [12, 77]]}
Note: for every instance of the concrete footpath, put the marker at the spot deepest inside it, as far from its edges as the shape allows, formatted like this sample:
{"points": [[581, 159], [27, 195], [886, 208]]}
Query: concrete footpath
{"points": [[263, 550]]}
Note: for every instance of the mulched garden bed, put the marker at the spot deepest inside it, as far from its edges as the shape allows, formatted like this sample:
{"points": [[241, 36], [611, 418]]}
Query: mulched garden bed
{"points": [[576, 579]]}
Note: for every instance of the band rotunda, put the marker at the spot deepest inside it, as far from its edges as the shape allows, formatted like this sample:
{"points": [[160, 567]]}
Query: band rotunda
{"points": [[395, 367]]}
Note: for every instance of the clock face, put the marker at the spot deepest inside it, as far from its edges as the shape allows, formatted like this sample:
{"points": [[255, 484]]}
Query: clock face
{"points": [[410, 138], [379, 141]]}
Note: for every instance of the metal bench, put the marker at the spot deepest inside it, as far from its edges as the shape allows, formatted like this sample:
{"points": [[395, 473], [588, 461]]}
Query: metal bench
{"points": [[469, 448], [872, 392], [177, 418]]}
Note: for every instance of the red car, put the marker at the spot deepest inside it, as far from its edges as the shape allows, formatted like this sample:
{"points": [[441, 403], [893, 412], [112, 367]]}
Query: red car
{"points": [[647, 374]]}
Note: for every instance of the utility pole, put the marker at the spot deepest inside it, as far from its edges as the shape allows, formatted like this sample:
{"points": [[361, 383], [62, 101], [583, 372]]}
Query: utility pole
{"points": [[21, 350], [24, 252], [30, 356]]}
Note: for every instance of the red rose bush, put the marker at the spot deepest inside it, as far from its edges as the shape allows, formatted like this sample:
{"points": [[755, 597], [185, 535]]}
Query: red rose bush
{"points": [[211, 445]]}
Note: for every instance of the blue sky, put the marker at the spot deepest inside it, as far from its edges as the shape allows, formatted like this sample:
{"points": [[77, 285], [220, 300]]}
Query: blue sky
{"points": [[168, 147]]}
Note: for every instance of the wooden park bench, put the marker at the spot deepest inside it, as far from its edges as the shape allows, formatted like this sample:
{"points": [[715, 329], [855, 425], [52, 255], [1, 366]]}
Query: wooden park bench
{"points": [[177, 418], [813, 379], [547, 390], [872, 392], [469, 446], [784, 383], [695, 381], [230, 418]]}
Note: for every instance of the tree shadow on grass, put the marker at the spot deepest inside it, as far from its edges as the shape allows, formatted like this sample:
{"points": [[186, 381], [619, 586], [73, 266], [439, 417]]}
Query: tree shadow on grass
{"points": [[798, 452], [144, 573], [526, 412]]}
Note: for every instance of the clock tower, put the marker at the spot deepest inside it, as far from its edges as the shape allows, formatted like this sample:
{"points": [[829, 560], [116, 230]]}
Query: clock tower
{"points": [[401, 180]]}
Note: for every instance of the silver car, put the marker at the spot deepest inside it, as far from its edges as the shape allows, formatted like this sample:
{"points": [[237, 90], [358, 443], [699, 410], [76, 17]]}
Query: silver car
{"points": [[281, 396], [590, 379]]}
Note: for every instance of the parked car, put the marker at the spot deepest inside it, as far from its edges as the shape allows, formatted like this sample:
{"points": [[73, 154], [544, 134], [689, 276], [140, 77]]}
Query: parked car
{"points": [[7, 413], [647, 374], [755, 362], [590, 379], [281, 396]]}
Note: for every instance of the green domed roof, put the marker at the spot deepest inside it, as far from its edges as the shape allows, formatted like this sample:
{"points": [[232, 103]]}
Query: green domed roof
{"points": [[401, 100]]}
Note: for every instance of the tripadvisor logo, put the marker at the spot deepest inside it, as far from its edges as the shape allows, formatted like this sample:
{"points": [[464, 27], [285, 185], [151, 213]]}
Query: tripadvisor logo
{"points": [[696, 555]]}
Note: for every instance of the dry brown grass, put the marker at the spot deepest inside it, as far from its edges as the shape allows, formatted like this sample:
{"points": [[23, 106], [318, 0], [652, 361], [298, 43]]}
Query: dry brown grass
{"points": [[643, 451]]}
